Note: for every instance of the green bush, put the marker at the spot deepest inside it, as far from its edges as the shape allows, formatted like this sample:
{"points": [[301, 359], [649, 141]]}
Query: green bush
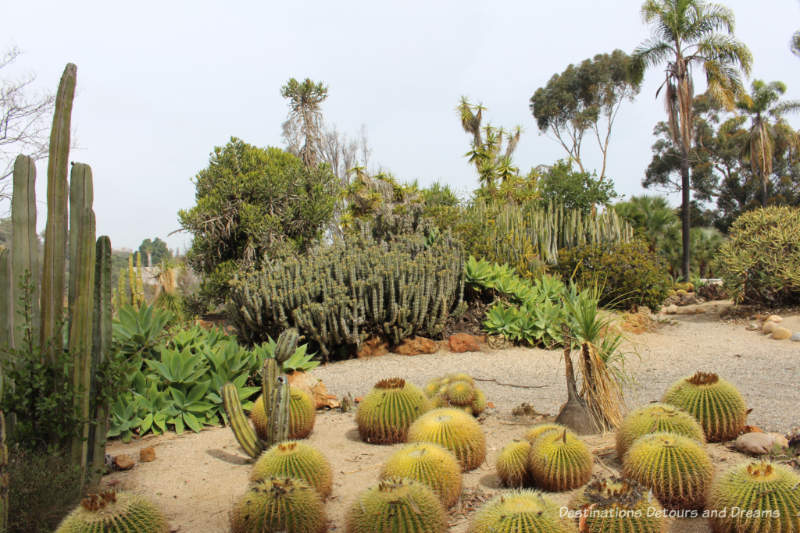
{"points": [[42, 490], [760, 262], [337, 295], [626, 274]]}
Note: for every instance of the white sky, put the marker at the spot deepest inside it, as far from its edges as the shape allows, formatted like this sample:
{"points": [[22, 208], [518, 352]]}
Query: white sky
{"points": [[161, 83]]}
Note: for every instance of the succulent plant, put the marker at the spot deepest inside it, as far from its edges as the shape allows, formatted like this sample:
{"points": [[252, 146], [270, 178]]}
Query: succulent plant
{"points": [[279, 505], [301, 415], [298, 460], [766, 494], [385, 414], [430, 464], [677, 469], [456, 390], [520, 511], [616, 505], [714, 402], [540, 429], [395, 505], [512, 464], [110, 512], [654, 418], [560, 461], [455, 430]]}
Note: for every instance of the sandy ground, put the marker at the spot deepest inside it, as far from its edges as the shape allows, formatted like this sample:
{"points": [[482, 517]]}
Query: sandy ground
{"points": [[197, 477]]}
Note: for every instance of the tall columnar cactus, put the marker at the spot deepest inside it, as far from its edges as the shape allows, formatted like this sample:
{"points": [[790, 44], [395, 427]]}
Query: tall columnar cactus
{"points": [[4, 482], [286, 345], [81, 197], [81, 314], [24, 245], [101, 346], [6, 299], [240, 425], [55, 240]]}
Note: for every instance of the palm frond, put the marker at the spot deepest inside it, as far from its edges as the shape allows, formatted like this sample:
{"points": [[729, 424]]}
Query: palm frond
{"points": [[653, 52], [726, 50]]}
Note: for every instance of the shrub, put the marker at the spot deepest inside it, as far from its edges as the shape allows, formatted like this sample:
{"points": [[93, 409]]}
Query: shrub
{"points": [[760, 262], [37, 502], [627, 273], [339, 294]]}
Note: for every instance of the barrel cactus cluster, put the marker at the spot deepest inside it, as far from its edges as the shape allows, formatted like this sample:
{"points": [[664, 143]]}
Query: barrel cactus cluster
{"points": [[298, 460], [302, 413], [677, 469], [397, 505], [717, 404], [454, 430], [614, 504], [456, 390], [550, 457], [386, 413], [335, 295], [279, 504], [654, 418], [518, 511], [112, 512], [429, 464]]}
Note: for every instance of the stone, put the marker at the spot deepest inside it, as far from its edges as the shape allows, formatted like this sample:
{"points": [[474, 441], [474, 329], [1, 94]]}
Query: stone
{"points": [[754, 443], [796, 337], [768, 327], [147, 455], [464, 342], [415, 346], [671, 309], [373, 347], [123, 462], [774, 318], [780, 333]]}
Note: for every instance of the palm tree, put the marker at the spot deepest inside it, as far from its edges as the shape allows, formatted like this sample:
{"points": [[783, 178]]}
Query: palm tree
{"points": [[304, 124], [687, 33], [764, 103]]}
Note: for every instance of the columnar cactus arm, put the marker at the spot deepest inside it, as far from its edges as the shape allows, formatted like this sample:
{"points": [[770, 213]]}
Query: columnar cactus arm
{"points": [[24, 245], [55, 240], [242, 430]]}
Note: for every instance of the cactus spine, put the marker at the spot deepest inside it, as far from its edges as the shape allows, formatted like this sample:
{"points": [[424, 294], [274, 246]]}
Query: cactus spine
{"points": [[24, 245], [55, 241]]}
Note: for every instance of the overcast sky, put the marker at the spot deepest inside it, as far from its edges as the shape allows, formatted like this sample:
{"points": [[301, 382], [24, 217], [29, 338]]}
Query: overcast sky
{"points": [[161, 83]]}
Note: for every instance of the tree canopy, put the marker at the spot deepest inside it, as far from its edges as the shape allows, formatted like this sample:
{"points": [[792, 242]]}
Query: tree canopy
{"points": [[252, 201], [560, 183], [303, 128], [154, 251], [586, 98]]}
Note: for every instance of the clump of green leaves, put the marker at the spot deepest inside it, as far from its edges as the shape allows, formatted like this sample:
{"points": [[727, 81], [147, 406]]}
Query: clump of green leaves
{"points": [[174, 378], [627, 274], [760, 262]]}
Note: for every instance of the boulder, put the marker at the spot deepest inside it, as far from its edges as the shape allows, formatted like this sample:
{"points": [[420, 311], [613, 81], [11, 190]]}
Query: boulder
{"points": [[759, 443], [774, 318], [768, 327], [796, 337], [780, 333], [415, 346], [147, 454], [372, 347], [123, 461], [464, 342]]}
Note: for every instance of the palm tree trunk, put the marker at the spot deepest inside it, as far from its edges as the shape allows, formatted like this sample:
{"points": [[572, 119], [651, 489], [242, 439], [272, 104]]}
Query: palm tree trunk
{"points": [[685, 210], [763, 190]]}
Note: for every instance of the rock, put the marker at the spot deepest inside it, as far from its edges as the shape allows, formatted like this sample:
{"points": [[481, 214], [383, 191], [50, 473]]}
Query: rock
{"points": [[780, 333], [753, 327], [123, 462], [464, 342], [774, 318], [768, 327], [372, 347], [147, 455], [315, 388], [755, 443], [688, 298], [415, 346], [796, 337], [671, 309]]}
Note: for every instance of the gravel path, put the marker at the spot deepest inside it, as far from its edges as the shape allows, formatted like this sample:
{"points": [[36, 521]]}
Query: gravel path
{"points": [[767, 372]]}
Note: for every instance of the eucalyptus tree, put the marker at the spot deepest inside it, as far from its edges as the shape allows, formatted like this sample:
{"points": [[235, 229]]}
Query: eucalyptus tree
{"points": [[686, 34], [303, 129], [586, 98], [766, 112]]}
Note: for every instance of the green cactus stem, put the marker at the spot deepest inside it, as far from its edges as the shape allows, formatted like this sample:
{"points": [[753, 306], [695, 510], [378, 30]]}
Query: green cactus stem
{"points": [[24, 246], [240, 425], [55, 240]]}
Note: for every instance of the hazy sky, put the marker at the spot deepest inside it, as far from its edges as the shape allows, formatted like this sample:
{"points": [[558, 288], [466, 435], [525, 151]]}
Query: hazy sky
{"points": [[161, 83]]}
